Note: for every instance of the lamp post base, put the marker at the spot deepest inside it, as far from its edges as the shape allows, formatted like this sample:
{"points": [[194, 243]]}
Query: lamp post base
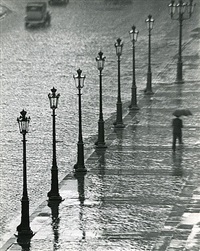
{"points": [[24, 233], [148, 92], [24, 242], [79, 168], [179, 76], [54, 197], [53, 194], [148, 89], [118, 124], [119, 121], [24, 230], [53, 203], [133, 107], [179, 81], [100, 145]]}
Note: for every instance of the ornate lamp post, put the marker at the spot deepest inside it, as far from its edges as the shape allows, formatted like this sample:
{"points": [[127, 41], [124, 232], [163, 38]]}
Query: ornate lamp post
{"points": [[79, 166], [178, 12], [133, 35], [24, 230], [148, 89], [100, 65], [53, 194], [119, 123]]}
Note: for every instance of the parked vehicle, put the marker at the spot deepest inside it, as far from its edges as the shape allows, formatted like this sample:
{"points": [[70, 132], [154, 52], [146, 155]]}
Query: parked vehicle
{"points": [[52, 2], [37, 14]]}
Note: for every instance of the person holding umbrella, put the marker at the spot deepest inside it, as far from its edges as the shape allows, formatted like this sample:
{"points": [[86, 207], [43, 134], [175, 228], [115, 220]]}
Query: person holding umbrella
{"points": [[177, 125]]}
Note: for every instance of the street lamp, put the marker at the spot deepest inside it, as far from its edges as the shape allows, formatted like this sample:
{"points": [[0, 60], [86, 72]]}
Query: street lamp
{"points": [[24, 230], [100, 65], [53, 194], [180, 11], [133, 35], [79, 166], [149, 21], [119, 123]]}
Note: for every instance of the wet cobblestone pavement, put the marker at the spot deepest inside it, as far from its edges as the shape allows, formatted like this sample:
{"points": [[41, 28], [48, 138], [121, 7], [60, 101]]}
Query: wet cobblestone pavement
{"points": [[137, 194]]}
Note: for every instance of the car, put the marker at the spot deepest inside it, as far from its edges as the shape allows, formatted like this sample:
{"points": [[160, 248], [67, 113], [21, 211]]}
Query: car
{"points": [[37, 14], [52, 2]]}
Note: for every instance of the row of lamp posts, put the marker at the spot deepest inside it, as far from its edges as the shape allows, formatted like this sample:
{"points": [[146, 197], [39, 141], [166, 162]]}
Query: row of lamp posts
{"points": [[119, 46], [180, 11], [24, 230], [53, 195]]}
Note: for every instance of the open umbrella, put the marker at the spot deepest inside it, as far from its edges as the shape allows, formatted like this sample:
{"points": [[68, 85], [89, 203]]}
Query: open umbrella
{"points": [[182, 112]]}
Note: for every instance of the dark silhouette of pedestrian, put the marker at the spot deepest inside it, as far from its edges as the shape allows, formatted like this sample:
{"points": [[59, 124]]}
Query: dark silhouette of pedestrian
{"points": [[177, 125]]}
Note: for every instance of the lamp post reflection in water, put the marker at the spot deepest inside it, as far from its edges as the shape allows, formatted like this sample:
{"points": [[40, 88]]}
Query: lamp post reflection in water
{"points": [[81, 196], [177, 159], [54, 205], [101, 173], [101, 162], [119, 135]]}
